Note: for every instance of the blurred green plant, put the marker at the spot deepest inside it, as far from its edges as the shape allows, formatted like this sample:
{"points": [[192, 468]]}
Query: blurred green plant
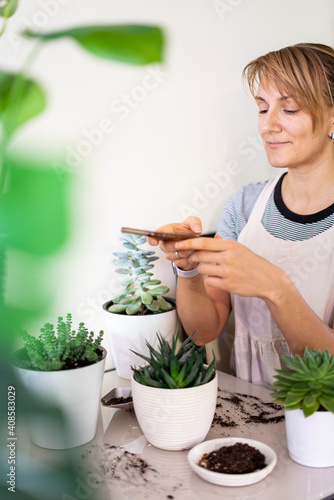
{"points": [[135, 264], [35, 215], [7, 10], [133, 44]]}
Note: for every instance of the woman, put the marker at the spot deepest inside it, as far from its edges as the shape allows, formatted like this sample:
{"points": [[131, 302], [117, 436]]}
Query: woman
{"points": [[272, 260]]}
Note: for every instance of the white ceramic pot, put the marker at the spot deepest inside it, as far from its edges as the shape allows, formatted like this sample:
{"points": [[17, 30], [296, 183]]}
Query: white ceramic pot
{"points": [[76, 393], [310, 439], [125, 332], [175, 419]]}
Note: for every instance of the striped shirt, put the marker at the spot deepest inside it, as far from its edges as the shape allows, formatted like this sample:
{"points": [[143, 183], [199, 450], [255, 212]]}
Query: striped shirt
{"points": [[277, 219]]}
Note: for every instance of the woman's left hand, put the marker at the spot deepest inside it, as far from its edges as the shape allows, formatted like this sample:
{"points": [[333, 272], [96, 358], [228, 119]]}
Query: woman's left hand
{"points": [[231, 266]]}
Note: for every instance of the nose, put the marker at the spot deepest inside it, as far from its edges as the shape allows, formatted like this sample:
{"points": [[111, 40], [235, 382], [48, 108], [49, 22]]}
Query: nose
{"points": [[269, 122]]}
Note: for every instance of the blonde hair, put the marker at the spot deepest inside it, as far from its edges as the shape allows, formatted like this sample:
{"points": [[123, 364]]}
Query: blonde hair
{"points": [[304, 71]]}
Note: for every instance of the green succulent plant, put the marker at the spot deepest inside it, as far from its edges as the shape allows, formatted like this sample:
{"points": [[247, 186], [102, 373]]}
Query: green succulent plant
{"points": [[168, 369], [306, 383], [53, 350], [135, 264]]}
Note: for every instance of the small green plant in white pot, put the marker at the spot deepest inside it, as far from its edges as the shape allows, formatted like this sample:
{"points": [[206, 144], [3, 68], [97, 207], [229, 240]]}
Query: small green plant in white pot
{"points": [[306, 389], [64, 368], [140, 310], [174, 394]]}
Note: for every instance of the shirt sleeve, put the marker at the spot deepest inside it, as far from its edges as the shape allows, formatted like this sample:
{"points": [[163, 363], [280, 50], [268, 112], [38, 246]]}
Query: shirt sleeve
{"points": [[237, 211]]}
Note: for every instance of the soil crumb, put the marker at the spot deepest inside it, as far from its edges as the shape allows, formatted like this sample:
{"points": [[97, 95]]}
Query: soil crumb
{"points": [[118, 401]]}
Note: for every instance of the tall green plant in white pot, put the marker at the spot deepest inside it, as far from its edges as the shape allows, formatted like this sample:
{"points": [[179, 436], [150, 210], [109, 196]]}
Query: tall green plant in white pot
{"points": [[63, 368], [140, 310], [306, 389]]}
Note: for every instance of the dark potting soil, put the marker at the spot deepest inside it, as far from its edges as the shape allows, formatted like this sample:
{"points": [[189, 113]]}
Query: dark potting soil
{"points": [[117, 463], [239, 458], [118, 401], [127, 474], [235, 409], [70, 364]]}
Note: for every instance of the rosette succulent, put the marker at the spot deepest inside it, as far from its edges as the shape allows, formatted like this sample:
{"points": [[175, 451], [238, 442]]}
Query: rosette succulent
{"points": [[169, 369], [306, 383], [140, 291]]}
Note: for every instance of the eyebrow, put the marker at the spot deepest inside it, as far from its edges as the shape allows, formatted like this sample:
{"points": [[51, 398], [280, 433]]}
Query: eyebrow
{"points": [[283, 98]]}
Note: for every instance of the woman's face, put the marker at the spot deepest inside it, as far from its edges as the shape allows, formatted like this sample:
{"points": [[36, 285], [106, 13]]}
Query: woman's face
{"points": [[287, 131]]}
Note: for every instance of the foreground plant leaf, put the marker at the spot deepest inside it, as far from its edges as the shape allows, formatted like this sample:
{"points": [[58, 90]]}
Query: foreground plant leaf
{"points": [[21, 99], [33, 212], [9, 8], [134, 44]]}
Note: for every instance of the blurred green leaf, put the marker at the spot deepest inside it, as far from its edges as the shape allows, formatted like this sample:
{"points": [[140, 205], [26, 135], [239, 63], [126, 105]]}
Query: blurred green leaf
{"points": [[9, 8], [154, 306], [33, 212], [20, 100], [133, 308], [159, 290], [164, 305], [134, 44], [117, 308], [146, 298], [14, 319], [123, 271]]}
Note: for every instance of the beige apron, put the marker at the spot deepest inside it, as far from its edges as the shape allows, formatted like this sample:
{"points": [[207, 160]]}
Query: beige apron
{"points": [[259, 344]]}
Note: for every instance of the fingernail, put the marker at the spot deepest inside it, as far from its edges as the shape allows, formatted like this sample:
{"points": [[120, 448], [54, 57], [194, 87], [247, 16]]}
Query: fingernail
{"points": [[198, 229]]}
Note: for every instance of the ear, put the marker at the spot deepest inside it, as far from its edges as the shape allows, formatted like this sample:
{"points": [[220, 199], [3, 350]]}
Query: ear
{"points": [[331, 124]]}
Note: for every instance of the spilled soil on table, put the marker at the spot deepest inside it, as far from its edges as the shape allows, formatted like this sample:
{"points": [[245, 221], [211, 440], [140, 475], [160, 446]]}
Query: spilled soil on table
{"points": [[127, 474], [236, 409]]}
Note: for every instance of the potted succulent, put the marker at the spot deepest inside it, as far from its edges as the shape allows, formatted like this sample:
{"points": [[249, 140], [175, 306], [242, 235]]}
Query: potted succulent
{"points": [[64, 368], [306, 389], [141, 309], [174, 394]]}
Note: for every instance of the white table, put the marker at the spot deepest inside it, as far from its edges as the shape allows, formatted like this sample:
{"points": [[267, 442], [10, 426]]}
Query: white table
{"points": [[120, 446]]}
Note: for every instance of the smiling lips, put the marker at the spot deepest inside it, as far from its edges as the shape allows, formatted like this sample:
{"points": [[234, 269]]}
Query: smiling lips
{"points": [[276, 144]]}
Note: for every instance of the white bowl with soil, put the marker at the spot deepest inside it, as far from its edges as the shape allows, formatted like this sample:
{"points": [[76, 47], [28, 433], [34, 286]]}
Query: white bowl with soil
{"points": [[247, 454]]}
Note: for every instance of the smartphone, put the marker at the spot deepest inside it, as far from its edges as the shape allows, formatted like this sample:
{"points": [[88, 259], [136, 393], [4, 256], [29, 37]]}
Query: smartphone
{"points": [[157, 234]]}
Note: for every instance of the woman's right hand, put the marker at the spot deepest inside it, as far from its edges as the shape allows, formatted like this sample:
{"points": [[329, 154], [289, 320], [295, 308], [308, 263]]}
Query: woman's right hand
{"points": [[191, 225]]}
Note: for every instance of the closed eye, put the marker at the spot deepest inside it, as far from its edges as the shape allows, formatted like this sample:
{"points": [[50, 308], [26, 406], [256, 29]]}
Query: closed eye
{"points": [[291, 111]]}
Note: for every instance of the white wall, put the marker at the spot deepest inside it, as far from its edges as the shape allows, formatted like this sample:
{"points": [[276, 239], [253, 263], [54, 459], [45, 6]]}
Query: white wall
{"points": [[181, 147]]}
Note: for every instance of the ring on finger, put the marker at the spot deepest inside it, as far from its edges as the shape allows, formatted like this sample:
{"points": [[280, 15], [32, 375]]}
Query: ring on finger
{"points": [[177, 255]]}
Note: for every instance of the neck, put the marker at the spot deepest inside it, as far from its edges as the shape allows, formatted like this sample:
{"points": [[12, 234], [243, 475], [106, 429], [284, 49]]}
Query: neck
{"points": [[309, 191]]}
